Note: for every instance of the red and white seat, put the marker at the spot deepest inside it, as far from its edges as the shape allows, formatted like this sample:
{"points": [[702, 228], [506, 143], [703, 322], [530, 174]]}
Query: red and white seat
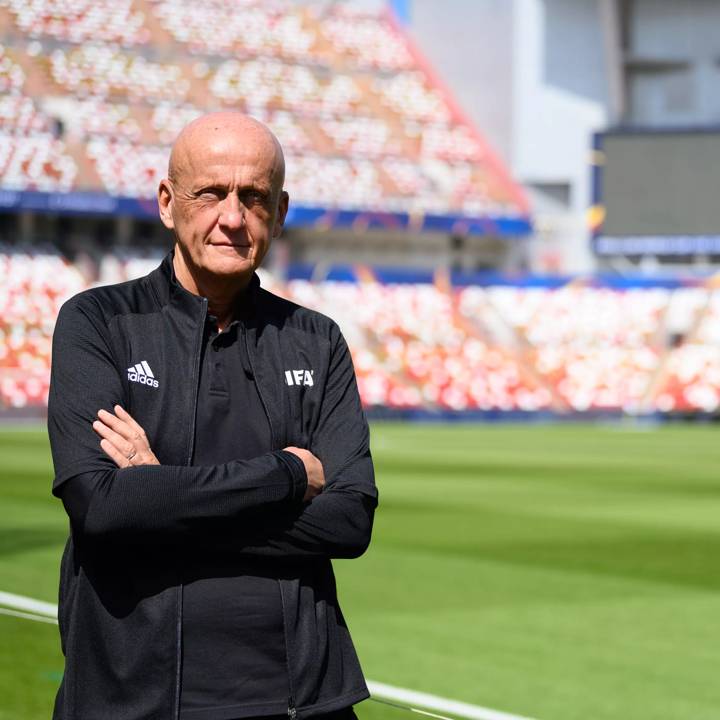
{"points": [[104, 71], [35, 162], [128, 169], [35, 284], [12, 76], [78, 21], [228, 27]]}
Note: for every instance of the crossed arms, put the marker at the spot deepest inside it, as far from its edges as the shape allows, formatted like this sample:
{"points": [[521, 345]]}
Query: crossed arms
{"points": [[287, 503]]}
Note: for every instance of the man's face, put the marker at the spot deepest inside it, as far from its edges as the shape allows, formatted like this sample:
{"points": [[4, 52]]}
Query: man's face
{"points": [[225, 203]]}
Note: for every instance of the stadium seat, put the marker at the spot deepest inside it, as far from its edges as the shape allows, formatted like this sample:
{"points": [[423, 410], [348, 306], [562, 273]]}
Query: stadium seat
{"points": [[35, 162], [233, 27], [103, 71], [127, 169], [35, 285], [78, 21], [12, 76]]}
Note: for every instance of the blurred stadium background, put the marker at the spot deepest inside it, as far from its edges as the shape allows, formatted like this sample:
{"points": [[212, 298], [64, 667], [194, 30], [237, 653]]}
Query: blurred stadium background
{"points": [[511, 208]]}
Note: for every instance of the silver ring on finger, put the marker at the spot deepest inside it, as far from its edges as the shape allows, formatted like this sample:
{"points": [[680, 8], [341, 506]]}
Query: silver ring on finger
{"points": [[131, 456]]}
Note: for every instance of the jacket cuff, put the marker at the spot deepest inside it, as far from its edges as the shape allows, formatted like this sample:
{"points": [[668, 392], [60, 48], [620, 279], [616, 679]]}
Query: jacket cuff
{"points": [[298, 475]]}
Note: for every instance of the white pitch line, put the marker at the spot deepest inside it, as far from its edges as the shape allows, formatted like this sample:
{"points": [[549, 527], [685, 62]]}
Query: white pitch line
{"points": [[28, 616], [20, 602], [47, 612], [441, 704]]}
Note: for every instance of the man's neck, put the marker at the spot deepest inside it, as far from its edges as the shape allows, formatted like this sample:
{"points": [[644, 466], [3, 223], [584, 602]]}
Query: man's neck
{"points": [[222, 294]]}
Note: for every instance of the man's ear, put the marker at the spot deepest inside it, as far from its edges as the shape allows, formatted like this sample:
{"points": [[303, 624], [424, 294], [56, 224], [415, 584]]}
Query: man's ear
{"points": [[283, 204], [165, 202]]}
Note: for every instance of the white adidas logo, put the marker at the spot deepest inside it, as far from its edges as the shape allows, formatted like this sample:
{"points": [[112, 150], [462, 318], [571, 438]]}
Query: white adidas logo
{"points": [[141, 373], [299, 377]]}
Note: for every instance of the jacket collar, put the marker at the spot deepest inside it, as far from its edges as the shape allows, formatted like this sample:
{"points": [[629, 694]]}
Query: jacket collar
{"points": [[169, 291]]}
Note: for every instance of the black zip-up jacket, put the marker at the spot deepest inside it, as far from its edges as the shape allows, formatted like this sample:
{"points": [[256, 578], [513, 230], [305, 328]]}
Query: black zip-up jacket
{"points": [[120, 605]]}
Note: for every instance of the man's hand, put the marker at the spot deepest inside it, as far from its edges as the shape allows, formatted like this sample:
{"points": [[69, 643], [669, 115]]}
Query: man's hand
{"points": [[314, 471], [123, 440]]}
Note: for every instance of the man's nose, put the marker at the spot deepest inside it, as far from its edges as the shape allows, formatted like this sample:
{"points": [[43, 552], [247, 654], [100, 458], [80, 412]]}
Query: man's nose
{"points": [[232, 212]]}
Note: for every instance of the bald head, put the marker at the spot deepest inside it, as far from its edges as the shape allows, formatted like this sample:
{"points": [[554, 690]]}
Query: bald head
{"points": [[212, 133]]}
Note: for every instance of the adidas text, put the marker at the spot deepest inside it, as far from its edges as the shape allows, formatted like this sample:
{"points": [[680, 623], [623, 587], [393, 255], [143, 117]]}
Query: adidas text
{"points": [[141, 373]]}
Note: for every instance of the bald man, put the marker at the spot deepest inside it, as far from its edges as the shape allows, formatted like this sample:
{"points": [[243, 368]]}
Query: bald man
{"points": [[213, 457]]}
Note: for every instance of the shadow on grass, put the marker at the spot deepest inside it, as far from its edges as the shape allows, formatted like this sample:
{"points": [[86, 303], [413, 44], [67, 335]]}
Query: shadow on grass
{"points": [[14, 541], [604, 475], [647, 554]]}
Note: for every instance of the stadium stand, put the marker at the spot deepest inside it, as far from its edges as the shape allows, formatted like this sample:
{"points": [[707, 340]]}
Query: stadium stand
{"points": [[35, 162], [12, 76], [35, 285], [19, 116], [102, 71], [435, 347], [31, 158], [267, 82], [358, 35], [339, 83], [594, 345], [410, 97], [231, 27], [167, 120], [126, 168], [351, 183], [689, 377], [77, 21]]}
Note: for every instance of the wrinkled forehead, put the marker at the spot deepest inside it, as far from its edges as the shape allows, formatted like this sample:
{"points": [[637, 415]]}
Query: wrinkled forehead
{"points": [[223, 153]]}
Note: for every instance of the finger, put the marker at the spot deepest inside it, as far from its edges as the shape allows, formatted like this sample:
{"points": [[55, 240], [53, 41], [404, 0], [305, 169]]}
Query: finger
{"points": [[114, 454], [122, 444], [121, 427], [125, 415], [128, 428]]}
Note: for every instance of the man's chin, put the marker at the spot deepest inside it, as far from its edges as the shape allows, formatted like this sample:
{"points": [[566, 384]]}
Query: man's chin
{"points": [[231, 266]]}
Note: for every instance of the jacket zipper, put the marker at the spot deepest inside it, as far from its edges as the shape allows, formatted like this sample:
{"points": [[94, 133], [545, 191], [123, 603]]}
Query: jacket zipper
{"points": [[273, 438], [191, 447], [198, 353], [292, 712], [291, 699]]}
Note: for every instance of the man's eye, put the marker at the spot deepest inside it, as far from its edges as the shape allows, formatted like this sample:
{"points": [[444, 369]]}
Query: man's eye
{"points": [[212, 193], [253, 197]]}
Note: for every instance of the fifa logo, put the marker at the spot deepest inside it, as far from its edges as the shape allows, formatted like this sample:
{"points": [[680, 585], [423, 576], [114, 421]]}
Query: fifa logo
{"points": [[299, 377]]}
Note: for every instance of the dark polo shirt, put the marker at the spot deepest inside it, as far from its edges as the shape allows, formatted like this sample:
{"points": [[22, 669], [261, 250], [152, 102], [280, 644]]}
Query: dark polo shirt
{"points": [[234, 660]]}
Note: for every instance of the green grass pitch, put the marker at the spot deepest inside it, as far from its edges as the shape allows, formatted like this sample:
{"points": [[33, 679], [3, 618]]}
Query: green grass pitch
{"points": [[559, 572]]}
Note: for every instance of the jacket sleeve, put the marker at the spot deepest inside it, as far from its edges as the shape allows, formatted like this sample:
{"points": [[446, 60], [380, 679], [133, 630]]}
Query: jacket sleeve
{"points": [[338, 522], [162, 500]]}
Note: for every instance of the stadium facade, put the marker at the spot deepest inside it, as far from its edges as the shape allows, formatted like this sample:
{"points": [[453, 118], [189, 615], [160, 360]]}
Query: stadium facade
{"points": [[544, 77]]}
